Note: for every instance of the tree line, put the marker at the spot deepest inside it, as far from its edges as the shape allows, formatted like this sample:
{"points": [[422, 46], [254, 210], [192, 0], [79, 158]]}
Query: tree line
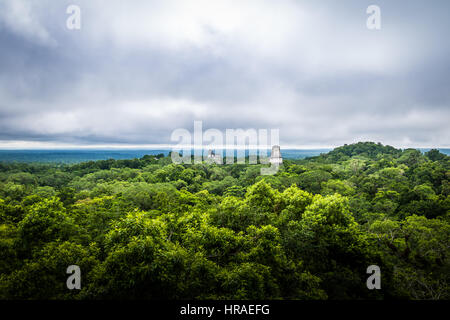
{"points": [[150, 229]]}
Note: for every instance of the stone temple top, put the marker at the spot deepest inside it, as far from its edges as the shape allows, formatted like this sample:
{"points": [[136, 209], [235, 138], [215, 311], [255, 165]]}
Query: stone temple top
{"points": [[213, 157], [211, 153], [275, 156]]}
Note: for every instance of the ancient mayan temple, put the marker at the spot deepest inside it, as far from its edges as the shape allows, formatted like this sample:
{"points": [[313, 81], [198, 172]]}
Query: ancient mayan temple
{"points": [[212, 157], [275, 156]]}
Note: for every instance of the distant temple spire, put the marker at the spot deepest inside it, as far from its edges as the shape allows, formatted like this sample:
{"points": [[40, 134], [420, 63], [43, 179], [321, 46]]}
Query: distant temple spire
{"points": [[275, 156], [212, 157]]}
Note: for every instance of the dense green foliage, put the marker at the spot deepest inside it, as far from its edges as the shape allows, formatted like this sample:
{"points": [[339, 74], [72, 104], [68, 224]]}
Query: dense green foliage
{"points": [[147, 228]]}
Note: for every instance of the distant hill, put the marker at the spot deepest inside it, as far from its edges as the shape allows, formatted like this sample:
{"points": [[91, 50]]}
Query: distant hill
{"points": [[370, 150]]}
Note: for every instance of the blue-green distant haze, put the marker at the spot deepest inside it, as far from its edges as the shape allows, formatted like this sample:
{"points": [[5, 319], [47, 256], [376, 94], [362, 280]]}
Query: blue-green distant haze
{"points": [[76, 156]]}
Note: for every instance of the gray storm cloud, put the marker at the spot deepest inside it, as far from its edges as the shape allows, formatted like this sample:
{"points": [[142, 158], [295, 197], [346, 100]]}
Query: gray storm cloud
{"points": [[137, 70]]}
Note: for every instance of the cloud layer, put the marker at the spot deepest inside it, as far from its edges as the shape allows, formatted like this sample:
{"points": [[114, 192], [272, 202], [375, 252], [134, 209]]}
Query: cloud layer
{"points": [[138, 70]]}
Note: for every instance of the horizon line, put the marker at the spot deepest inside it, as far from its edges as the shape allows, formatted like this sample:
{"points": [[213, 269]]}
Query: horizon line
{"points": [[29, 146]]}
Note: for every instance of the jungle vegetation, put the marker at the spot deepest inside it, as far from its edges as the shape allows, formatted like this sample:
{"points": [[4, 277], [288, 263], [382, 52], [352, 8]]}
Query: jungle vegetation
{"points": [[150, 229]]}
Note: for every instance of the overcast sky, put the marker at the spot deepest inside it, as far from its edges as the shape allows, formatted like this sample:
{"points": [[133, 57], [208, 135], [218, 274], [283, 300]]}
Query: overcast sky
{"points": [[137, 70]]}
